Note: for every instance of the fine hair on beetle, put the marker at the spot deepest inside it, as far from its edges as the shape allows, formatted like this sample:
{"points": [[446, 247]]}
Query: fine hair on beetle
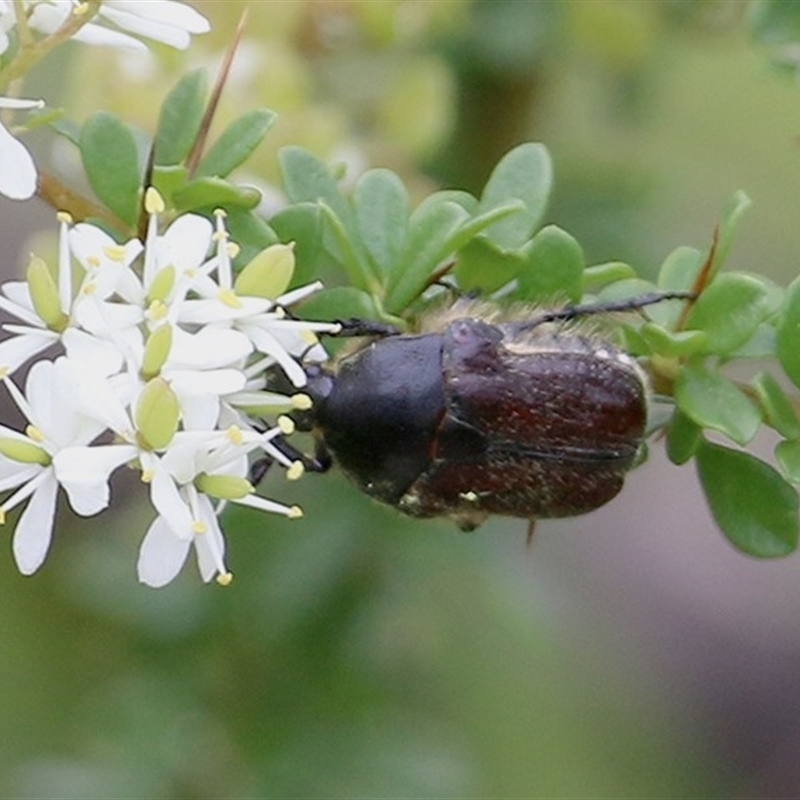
{"points": [[483, 410]]}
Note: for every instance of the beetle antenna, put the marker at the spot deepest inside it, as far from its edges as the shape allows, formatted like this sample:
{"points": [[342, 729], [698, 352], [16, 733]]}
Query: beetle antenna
{"points": [[365, 327], [632, 304]]}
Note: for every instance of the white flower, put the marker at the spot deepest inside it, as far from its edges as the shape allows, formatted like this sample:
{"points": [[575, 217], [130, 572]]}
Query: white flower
{"points": [[56, 425], [17, 170], [165, 21], [95, 343], [167, 361], [261, 319]]}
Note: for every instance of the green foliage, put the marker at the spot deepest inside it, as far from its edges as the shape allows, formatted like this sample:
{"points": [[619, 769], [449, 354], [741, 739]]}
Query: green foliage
{"points": [[382, 258], [750, 500], [110, 158], [116, 160]]}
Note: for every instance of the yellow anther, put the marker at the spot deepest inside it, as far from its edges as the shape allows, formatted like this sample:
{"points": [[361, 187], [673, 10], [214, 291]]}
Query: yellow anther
{"points": [[199, 527], [5, 371], [157, 311], [225, 578], [2, 516], [147, 476], [64, 216], [114, 252], [295, 512], [286, 424], [235, 435], [93, 262], [153, 201], [32, 432], [295, 471], [301, 401], [220, 212]]}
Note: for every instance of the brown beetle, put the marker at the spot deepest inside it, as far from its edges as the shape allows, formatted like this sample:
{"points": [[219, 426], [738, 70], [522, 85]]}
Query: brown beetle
{"points": [[526, 418]]}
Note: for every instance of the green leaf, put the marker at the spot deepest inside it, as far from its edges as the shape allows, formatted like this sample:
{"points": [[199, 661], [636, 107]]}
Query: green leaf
{"points": [[729, 311], [180, 118], [599, 275], [168, 179], [524, 173], [249, 231], [788, 455], [307, 179], [760, 345], [302, 224], [670, 343], [713, 401], [731, 217], [779, 412], [348, 250], [683, 438], [236, 143], [340, 302], [483, 267], [214, 193], [626, 289], [431, 231], [68, 129], [381, 206], [110, 158], [788, 334], [752, 504], [554, 267], [680, 270]]}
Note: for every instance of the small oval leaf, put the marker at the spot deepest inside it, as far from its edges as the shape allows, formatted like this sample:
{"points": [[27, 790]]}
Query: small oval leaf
{"points": [[753, 505], [110, 158], [180, 118], [713, 401], [788, 334], [236, 143]]}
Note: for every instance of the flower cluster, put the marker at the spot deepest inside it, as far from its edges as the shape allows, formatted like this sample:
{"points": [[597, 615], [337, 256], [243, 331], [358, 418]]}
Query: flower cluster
{"points": [[163, 364]]}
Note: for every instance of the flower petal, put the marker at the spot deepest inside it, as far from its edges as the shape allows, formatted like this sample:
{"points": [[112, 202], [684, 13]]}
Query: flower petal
{"points": [[84, 473], [14, 352], [161, 555], [210, 545], [170, 505], [209, 348], [35, 527], [17, 170]]}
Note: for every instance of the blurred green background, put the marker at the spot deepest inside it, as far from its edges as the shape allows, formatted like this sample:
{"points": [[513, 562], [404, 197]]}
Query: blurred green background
{"points": [[628, 654]]}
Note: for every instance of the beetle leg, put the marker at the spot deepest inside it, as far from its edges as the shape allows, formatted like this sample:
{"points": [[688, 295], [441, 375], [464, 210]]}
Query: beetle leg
{"points": [[321, 461], [531, 531]]}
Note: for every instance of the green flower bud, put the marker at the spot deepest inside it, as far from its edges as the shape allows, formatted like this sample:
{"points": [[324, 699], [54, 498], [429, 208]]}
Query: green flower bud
{"points": [[162, 285], [24, 452], [156, 351], [157, 415], [224, 487], [44, 295], [268, 274]]}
